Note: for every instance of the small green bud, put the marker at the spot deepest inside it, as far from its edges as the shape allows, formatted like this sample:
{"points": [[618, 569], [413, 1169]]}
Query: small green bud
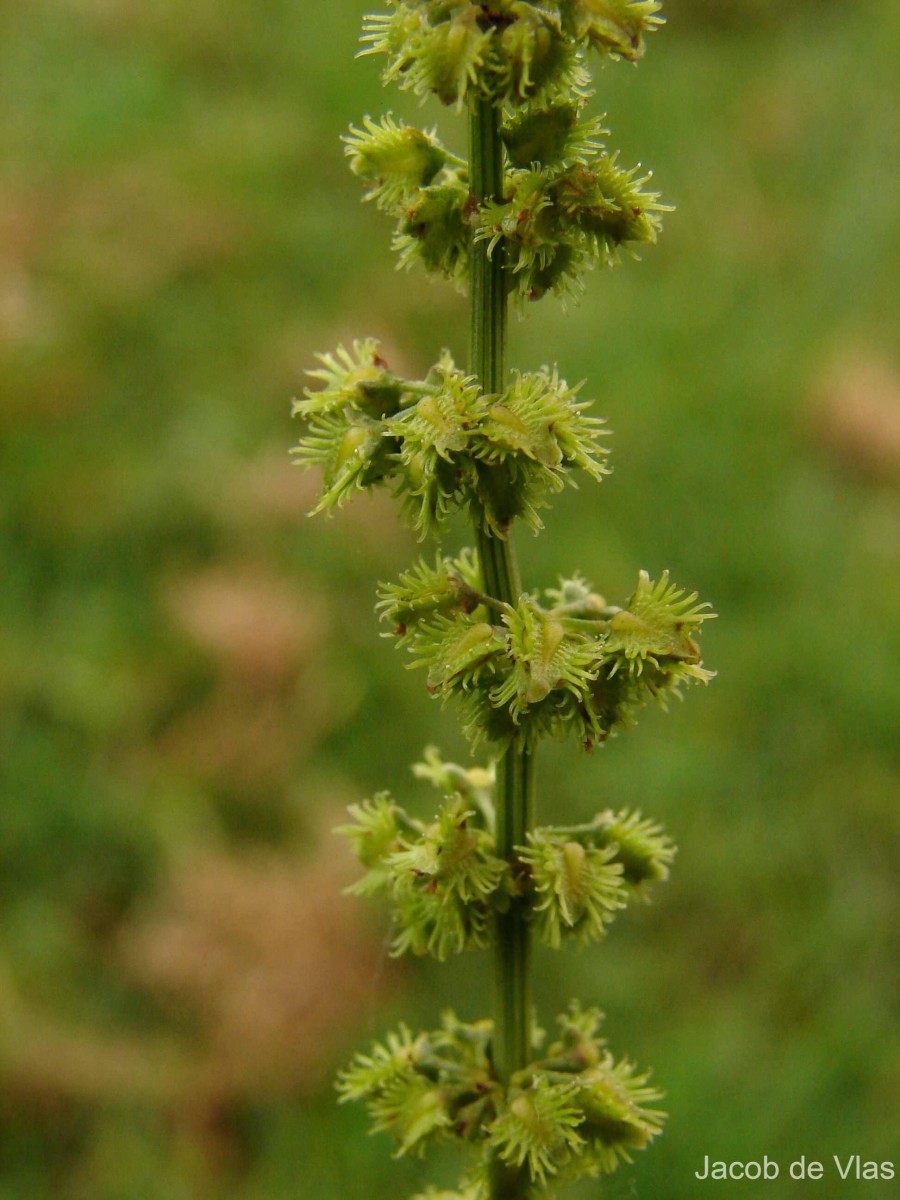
{"points": [[617, 27], [540, 136], [534, 54], [454, 53], [613, 1099], [434, 230], [394, 159]]}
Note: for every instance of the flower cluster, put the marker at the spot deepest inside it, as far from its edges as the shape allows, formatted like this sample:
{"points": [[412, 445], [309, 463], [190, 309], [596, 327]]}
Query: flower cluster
{"points": [[575, 665], [440, 877], [577, 1111], [556, 221], [510, 50], [441, 443], [444, 880], [568, 205]]}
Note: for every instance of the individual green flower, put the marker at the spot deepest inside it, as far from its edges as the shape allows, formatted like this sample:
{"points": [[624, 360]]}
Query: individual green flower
{"points": [[389, 1062], [578, 889], [425, 590], [440, 422], [656, 624], [641, 846], [579, 1045], [616, 27], [551, 136], [395, 159], [609, 206], [524, 445], [358, 379], [442, 885], [453, 857], [427, 1088], [415, 1112], [614, 1100], [352, 451], [434, 229], [539, 417], [402, 1099], [532, 58], [538, 1127], [375, 835], [543, 658], [457, 650], [436, 48]]}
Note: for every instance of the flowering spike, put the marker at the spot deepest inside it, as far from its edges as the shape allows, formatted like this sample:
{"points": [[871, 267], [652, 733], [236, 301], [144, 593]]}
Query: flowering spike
{"points": [[539, 201]]}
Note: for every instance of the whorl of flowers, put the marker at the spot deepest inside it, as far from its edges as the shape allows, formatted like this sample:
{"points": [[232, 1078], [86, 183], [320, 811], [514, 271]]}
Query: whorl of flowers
{"points": [[443, 881], [577, 1111]]}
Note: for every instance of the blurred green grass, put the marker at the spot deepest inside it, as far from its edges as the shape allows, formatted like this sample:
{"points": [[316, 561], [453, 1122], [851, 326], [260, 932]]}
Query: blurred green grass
{"points": [[191, 682]]}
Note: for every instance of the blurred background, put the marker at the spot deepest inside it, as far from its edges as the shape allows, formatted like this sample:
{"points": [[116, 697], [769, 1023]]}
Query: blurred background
{"points": [[192, 686]]}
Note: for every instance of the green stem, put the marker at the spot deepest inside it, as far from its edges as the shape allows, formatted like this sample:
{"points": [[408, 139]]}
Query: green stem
{"points": [[487, 293], [500, 575]]}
